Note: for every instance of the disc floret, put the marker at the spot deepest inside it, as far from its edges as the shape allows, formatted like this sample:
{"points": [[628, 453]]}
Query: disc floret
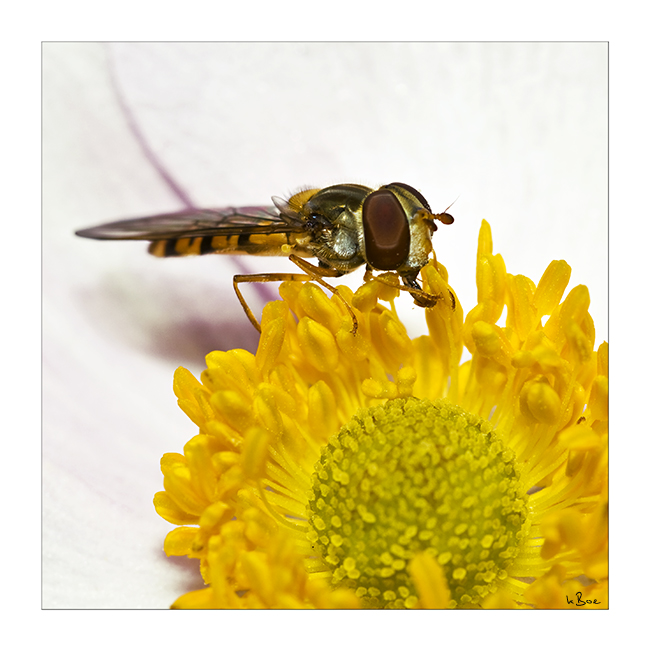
{"points": [[416, 476]]}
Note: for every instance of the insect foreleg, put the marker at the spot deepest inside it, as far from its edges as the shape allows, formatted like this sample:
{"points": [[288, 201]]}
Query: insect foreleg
{"points": [[423, 299], [316, 274], [420, 297]]}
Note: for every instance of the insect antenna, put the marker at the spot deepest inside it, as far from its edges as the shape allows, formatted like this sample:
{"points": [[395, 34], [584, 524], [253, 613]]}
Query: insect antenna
{"points": [[443, 217]]}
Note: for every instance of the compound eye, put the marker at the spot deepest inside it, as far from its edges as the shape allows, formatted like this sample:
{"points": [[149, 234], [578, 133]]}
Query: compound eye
{"points": [[415, 193], [386, 231]]}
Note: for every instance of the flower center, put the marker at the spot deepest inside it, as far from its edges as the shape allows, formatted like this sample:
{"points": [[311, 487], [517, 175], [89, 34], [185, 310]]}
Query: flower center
{"points": [[416, 476]]}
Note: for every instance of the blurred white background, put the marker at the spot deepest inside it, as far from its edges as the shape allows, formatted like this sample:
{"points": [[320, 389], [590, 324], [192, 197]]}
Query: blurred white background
{"points": [[516, 132]]}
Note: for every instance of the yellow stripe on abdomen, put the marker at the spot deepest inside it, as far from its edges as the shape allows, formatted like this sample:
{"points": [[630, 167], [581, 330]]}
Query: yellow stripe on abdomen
{"points": [[272, 244]]}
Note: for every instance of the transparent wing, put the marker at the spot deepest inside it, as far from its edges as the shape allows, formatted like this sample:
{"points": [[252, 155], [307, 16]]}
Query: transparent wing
{"points": [[262, 220]]}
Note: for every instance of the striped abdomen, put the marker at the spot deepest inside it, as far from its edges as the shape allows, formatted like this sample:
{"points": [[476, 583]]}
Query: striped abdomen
{"points": [[273, 244]]}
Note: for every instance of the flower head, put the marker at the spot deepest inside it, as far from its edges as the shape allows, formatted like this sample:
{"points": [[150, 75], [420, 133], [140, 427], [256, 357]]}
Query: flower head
{"points": [[336, 470]]}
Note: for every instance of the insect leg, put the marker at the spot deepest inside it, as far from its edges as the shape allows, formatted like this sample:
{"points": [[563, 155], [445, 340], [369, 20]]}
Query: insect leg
{"points": [[420, 297], [423, 299], [415, 285], [260, 278], [316, 274]]}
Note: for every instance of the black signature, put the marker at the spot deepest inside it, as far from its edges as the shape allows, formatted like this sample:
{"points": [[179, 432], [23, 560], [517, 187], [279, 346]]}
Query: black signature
{"points": [[580, 602]]}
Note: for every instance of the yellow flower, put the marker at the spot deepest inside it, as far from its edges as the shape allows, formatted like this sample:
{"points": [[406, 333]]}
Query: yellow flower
{"points": [[334, 470]]}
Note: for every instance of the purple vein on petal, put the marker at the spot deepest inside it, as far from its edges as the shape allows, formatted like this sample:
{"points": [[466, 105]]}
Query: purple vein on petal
{"points": [[262, 290]]}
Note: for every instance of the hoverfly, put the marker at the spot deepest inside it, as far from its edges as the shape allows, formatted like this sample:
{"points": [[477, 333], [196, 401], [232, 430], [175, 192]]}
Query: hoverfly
{"points": [[344, 226]]}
